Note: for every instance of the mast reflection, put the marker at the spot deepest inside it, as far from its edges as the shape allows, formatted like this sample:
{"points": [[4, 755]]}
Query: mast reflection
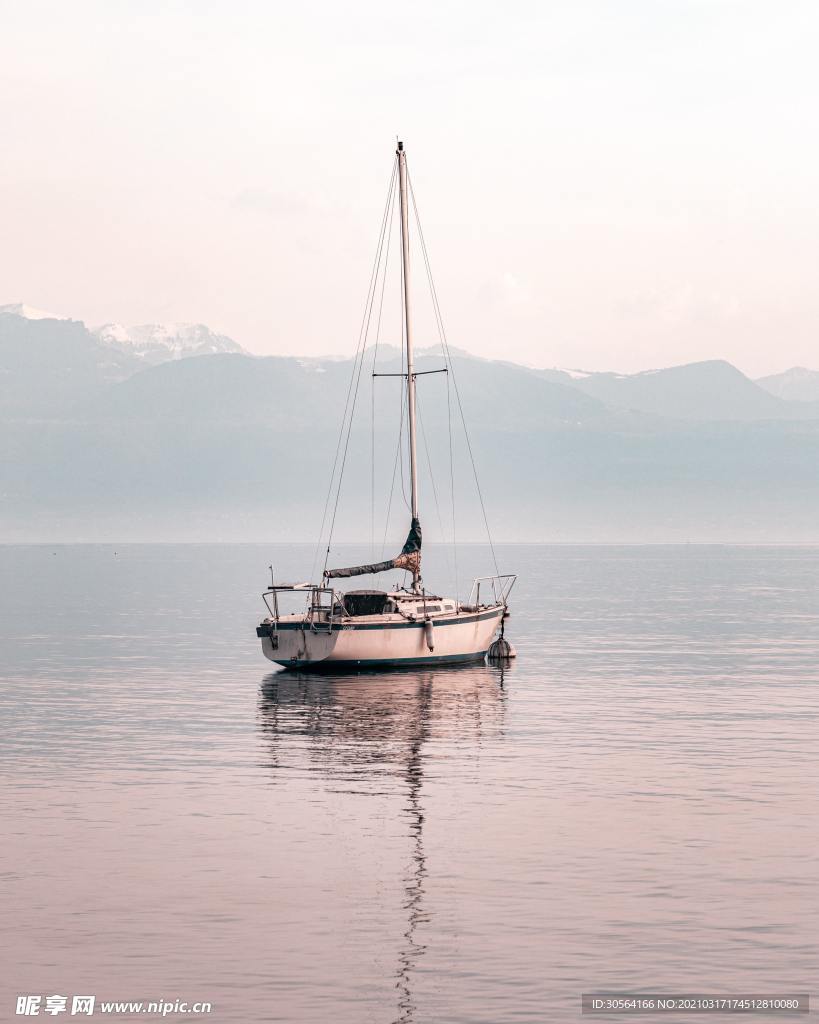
{"points": [[362, 727]]}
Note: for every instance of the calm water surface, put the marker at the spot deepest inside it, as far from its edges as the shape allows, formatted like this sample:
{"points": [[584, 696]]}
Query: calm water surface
{"points": [[632, 805]]}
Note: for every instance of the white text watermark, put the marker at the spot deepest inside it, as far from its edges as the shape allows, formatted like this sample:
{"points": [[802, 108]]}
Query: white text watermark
{"points": [[34, 1005]]}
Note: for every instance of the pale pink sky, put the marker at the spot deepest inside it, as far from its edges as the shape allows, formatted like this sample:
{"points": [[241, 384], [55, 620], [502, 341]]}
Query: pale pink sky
{"points": [[611, 186]]}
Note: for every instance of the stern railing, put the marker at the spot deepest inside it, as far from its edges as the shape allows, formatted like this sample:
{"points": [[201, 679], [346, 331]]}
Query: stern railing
{"points": [[500, 588], [317, 615]]}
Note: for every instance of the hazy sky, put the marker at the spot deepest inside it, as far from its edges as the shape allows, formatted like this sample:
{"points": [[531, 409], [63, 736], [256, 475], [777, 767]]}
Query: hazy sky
{"points": [[610, 185]]}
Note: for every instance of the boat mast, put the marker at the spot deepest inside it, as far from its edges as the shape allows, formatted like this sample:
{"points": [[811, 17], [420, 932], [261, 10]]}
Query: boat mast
{"points": [[402, 179]]}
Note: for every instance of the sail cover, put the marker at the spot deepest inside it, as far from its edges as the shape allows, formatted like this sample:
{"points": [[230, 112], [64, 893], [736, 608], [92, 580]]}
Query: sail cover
{"points": [[409, 559]]}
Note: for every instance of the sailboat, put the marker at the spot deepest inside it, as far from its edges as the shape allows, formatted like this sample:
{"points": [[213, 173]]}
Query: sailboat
{"points": [[406, 626]]}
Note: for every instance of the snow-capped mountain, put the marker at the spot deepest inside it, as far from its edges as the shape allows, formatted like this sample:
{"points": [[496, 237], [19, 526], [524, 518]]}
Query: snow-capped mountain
{"points": [[157, 343], [151, 344], [29, 312]]}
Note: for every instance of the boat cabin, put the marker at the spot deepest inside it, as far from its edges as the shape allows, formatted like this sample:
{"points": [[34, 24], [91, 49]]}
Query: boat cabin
{"points": [[378, 602]]}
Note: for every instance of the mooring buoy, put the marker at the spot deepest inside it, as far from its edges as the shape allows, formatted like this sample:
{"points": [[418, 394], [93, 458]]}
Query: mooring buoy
{"points": [[501, 650]]}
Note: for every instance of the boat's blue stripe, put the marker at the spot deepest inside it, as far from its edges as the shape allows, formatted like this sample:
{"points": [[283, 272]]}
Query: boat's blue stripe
{"points": [[327, 665], [347, 626]]}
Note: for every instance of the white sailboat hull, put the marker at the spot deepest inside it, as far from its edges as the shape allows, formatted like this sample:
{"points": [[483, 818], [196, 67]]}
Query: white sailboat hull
{"points": [[382, 641]]}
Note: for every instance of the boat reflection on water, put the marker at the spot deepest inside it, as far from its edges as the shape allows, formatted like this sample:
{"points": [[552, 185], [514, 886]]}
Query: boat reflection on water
{"points": [[360, 727]]}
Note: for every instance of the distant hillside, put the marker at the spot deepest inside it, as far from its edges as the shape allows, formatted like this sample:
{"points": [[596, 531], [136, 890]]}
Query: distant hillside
{"points": [[49, 365], [295, 395], [712, 390], [795, 385], [94, 444]]}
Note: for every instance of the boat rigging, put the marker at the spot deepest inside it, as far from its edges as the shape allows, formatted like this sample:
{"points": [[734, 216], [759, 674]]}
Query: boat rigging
{"points": [[358, 629]]}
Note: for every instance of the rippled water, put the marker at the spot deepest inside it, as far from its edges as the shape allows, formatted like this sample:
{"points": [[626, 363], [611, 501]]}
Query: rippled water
{"points": [[632, 805]]}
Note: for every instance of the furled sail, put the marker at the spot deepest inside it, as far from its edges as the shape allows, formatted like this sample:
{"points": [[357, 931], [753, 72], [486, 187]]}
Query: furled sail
{"points": [[409, 559]]}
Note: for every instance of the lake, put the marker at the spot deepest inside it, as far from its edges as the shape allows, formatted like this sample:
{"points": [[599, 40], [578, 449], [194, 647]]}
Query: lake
{"points": [[632, 804]]}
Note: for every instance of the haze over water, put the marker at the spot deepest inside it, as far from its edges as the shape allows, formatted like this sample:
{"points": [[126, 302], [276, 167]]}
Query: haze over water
{"points": [[631, 805]]}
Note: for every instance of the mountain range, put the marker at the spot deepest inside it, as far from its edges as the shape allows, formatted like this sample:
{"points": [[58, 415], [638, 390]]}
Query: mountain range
{"points": [[174, 432], [796, 384], [157, 343], [711, 390]]}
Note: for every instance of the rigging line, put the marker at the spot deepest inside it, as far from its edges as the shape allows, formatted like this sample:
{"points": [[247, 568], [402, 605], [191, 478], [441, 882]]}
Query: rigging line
{"points": [[349, 427], [431, 478], [404, 399], [392, 484], [372, 467], [448, 356], [452, 484], [354, 379], [352, 376], [372, 383], [398, 462], [384, 276], [405, 384]]}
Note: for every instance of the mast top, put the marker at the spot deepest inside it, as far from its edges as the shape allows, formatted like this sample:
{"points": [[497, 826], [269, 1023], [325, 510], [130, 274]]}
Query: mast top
{"points": [[400, 147]]}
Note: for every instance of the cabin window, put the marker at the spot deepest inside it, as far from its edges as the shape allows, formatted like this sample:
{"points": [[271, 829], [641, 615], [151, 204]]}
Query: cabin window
{"points": [[433, 608], [366, 602]]}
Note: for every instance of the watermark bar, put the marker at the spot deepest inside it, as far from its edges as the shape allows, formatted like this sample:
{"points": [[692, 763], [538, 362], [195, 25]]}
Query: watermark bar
{"points": [[37, 1005], [662, 1002]]}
